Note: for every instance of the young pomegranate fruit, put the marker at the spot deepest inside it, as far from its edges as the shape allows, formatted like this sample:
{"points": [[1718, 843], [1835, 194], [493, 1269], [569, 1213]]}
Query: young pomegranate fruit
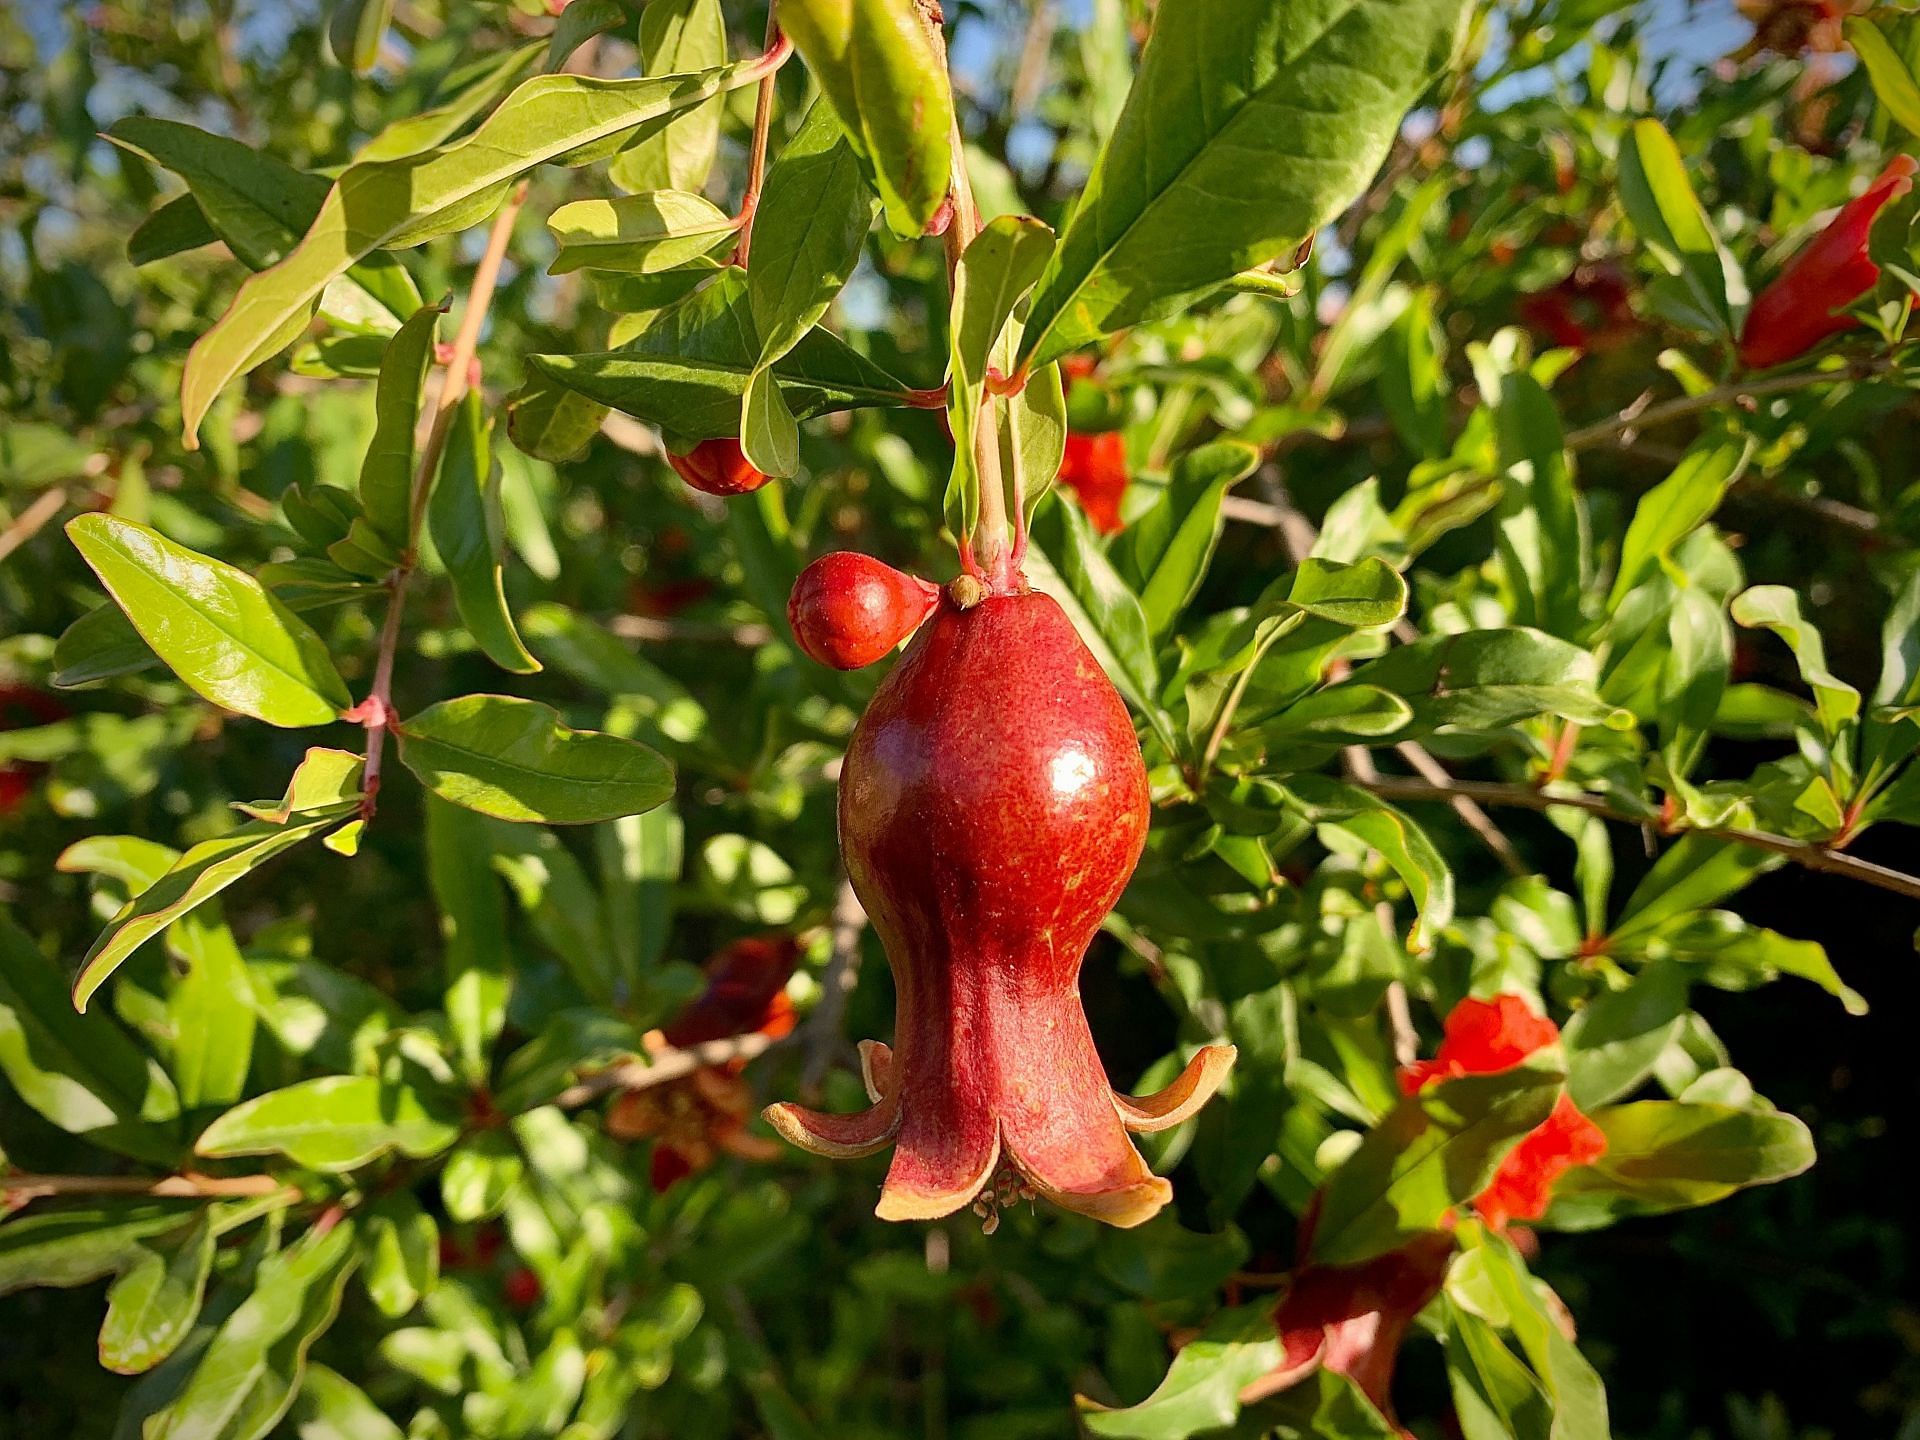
{"points": [[993, 804], [847, 610], [717, 467]]}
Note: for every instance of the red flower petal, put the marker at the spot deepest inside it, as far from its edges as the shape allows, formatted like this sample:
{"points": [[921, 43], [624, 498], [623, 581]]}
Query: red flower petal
{"points": [[1095, 469], [1483, 1037], [746, 984], [1523, 1186]]}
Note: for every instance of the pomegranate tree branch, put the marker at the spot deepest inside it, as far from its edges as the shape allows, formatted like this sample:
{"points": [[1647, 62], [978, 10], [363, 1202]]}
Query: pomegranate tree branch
{"points": [[20, 1188], [1640, 415], [664, 1065], [457, 378], [1804, 853], [757, 153], [32, 520]]}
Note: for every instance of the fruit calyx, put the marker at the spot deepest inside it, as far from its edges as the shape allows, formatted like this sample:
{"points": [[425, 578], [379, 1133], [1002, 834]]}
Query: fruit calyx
{"points": [[847, 609]]}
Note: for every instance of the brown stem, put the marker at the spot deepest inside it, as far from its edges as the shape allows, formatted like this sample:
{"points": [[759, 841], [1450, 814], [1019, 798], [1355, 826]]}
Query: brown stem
{"points": [[21, 1188], [1640, 415], [665, 1065], [458, 377], [757, 154], [30, 521], [1822, 858]]}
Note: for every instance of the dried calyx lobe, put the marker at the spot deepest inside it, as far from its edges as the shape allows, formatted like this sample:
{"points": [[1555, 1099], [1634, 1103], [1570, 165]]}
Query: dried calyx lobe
{"points": [[992, 806]]}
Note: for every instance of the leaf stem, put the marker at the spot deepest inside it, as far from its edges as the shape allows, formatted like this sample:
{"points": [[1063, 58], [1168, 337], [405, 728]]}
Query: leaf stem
{"points": [[376, 712], [757, 154], [1640, 415], [1810, 856], [20, 1188]]}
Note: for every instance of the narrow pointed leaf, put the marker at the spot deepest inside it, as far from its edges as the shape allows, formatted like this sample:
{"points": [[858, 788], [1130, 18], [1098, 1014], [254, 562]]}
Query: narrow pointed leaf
{"points": [[464, 518]]}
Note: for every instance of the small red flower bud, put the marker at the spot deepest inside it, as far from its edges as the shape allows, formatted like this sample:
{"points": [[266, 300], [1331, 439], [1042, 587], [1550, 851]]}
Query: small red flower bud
{"points": [[1095, 469], [717, 467], [847, 610], [942, 218], [1796, 312], [1484, 1037]]}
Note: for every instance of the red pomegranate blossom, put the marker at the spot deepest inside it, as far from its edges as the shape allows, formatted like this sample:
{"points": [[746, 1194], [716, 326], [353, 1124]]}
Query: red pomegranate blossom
{"points": [[993, 804], [1483, 1037], [22, 706], [695, 1119], [847, 610], [1798, 310], [718, 467], [1095, 469]]}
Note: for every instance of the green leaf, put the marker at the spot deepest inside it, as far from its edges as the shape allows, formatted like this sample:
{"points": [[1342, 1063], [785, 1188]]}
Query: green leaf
{"points": [[1695, 872], [393, 204], [247, 1377], [480, 1174], [464, 519], [1892, 81], [1541, 534], [1248, 127], [199, 875], [1401, 843], [550, 422], [808, 230], [1579, 1399], [1433, 1151], [1664, 1155], [211, 1010], [637, 234], [1171, 545], [886, 77], [83, 1075], [1776, 608], [1103, 598], [687, 371], [175, 227], [402, 1247], [1202, 1389], [477, 955], [260, 205], [677, 37], [995, 271], [101, 645], [355, 31], [1616, 1039], [217, 627], [155, 1300], [1675, 508], [471, 89], [1495, 1396], [386, 477], [333, 1124], [769, 437], [1488, 680], [1659, 200], [331, 1407], [81, 1243], [514, 760]]}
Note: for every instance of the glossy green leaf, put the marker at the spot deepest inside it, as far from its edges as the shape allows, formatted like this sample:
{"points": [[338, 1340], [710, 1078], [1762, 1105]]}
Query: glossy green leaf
{"points": [[155, 1300], [1432, 1152], [769, 435], [1614, 1041], [479, 1175], [1579, 1399], [464, 519], [81, 1243], [1482, 680], [1691, 874], [637, 234], [812, 219], [477, 954], [514, 759], [335, 1123], [549, 422], [1659, 200], [393, 204], [247, 1377], [217, 627], [677, 37], [210, 1005], [1893, 82], [1538, 523], [1248, 127], [1664, 1155], [402, 1246], [1674, 508], [175, 227], [1102, 598], [1495, 1396], [1202, 1389], [83, 1075], [1401, 843], [331, 1407], [1776, 608], [688, 369], [886, 77], [1172, 544], [201, 873], [355, 30], [386, 477], [470, 90]]}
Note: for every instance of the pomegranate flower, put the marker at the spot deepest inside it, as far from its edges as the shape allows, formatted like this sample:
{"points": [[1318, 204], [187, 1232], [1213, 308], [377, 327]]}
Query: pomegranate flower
{"points": [[1095, 469], [1798, 310], [993, 804], [695, 1119], [21, 707], [1483, 1037]]}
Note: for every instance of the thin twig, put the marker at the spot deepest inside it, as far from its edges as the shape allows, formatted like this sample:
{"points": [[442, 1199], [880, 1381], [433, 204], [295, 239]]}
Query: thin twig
{"points": [[32, 520], [1803, 853], [377, 711], [1640, 416], [21, 1188], [748, 636], [757, 154], [823, 1038], [665, 1065]]}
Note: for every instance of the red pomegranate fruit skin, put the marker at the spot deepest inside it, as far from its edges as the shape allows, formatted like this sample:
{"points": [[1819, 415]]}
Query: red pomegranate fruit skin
{"points": [[847, 610], [718, 467], [993, 804]]}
